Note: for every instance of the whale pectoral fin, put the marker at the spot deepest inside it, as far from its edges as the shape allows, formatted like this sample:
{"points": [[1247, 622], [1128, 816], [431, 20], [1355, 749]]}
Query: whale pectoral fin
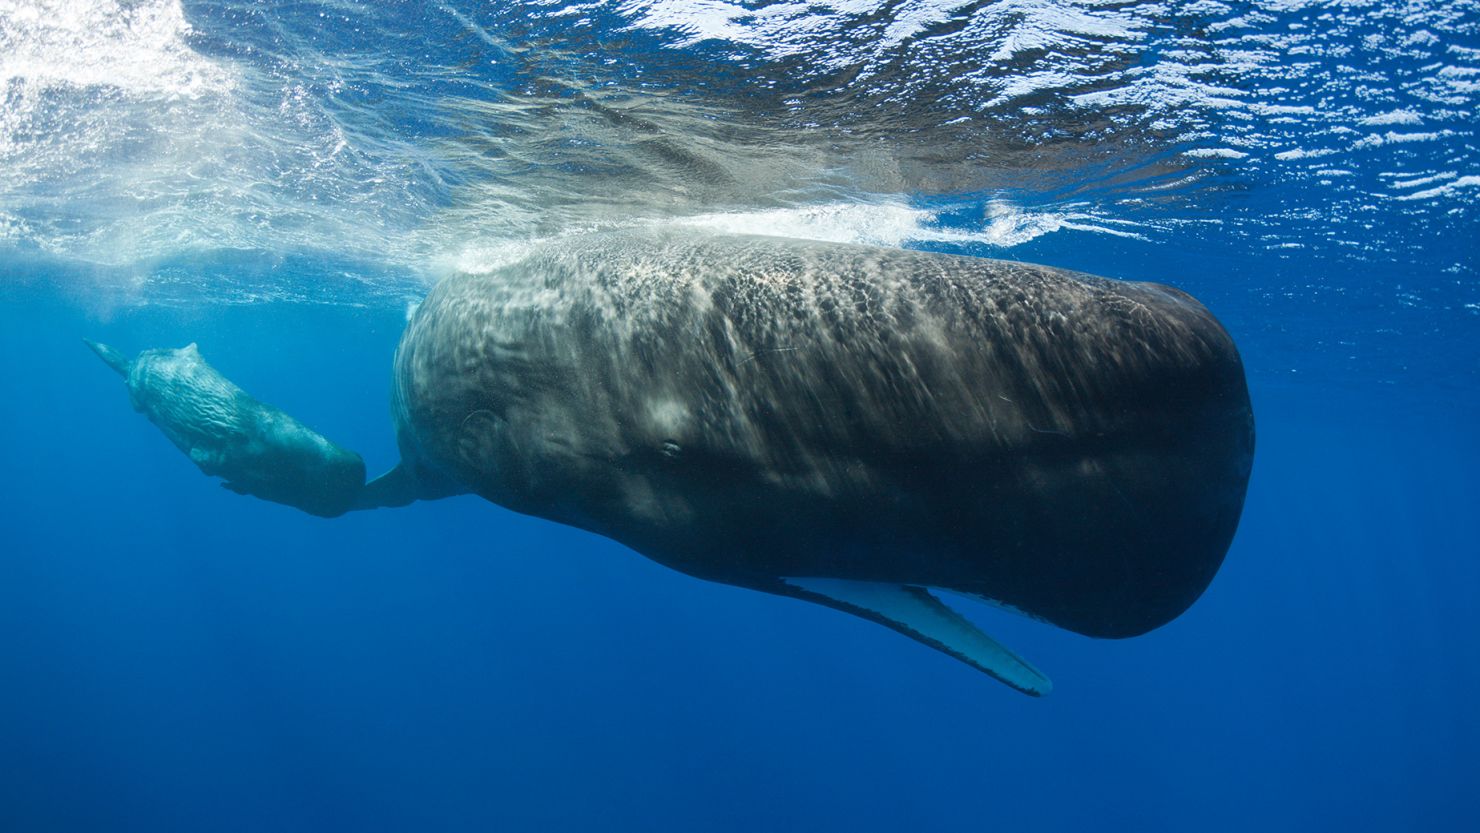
{"points": [[914, 612], [205, 459]]}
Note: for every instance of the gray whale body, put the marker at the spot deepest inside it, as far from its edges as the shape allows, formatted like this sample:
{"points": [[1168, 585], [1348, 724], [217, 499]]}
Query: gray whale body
{"points": [[845, 424]]}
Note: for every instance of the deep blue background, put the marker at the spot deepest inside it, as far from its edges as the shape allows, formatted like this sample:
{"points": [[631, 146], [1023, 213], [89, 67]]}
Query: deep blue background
{"points": [[176, 657]]}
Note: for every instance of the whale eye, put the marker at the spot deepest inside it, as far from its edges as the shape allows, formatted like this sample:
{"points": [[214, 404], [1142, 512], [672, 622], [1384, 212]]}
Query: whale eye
{"points": [[670, 449]]}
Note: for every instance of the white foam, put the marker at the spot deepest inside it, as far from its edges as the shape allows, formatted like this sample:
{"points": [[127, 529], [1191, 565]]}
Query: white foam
{"points": [[789, 29], [1214, 153], [1013, 226], [1425, 180], [895, 224], [1392, 117], [1302, 153], [878, 223], [781, 29], [139, 48], [882, 224], [1445, 189], [81, 78], [1393, 138], [483, 257]]}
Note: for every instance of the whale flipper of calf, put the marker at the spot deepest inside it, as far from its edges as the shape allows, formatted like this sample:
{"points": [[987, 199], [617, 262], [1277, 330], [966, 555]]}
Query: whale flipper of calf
{"points": [[849, 425]]}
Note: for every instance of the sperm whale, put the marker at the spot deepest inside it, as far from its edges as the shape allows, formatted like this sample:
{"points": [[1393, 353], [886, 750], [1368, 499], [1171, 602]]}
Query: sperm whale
{"points": [[853, 426]]}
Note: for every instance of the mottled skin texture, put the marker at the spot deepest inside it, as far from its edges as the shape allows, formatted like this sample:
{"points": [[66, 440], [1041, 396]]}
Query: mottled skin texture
{"points": [[750, 408], [258, 449]]}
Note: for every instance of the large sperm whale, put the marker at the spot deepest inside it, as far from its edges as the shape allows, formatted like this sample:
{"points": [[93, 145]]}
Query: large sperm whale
{"points": [[849, 425]]}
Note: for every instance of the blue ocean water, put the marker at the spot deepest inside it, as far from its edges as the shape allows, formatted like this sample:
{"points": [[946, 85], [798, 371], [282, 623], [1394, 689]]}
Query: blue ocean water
{"points": [[279, 182]]}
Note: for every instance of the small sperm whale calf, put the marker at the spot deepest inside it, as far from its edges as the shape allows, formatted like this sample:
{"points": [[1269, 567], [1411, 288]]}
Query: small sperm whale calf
{"points": [[853, 426], [258, 449]]}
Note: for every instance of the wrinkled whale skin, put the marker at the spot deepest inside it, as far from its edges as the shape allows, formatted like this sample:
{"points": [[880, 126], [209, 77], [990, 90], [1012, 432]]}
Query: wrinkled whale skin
{"points": [[256, 448], [747, 409]]}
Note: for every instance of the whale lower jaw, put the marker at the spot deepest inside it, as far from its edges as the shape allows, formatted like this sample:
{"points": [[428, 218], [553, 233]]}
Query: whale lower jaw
{"points": [[916, 613]]}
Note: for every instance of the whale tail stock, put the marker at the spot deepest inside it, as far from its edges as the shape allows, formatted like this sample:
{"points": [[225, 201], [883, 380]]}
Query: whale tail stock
{"points": [[256, 448], [404, 484]]}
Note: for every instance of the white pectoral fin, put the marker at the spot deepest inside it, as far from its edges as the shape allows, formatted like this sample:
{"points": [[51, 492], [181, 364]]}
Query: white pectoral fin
{"points": [[914, 612]]}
